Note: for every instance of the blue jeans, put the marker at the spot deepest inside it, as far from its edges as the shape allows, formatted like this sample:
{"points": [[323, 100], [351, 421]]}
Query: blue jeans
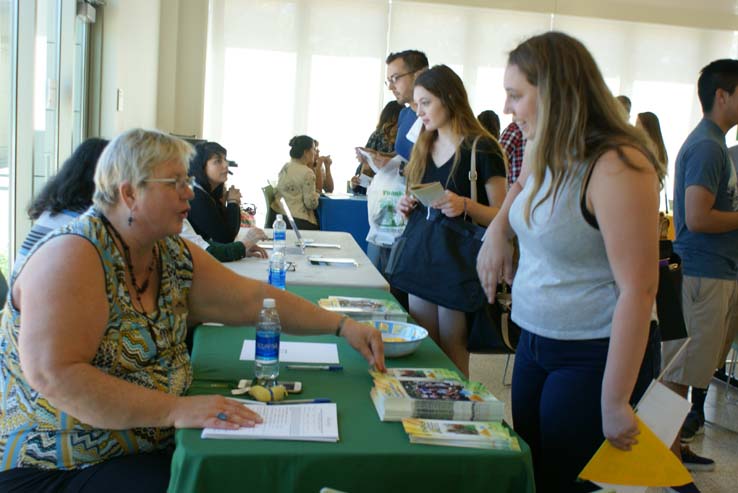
{"points": [[379, 256], [556, 392]]}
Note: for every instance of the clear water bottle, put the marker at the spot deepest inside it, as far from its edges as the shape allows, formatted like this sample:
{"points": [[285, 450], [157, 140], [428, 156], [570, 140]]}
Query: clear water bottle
{"points": [[277, 270], [266, 361], [279, 230]]}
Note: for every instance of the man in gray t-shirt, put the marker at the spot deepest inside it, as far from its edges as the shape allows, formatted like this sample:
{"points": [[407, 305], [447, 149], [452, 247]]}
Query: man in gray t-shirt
{"points": [[706, 222]]}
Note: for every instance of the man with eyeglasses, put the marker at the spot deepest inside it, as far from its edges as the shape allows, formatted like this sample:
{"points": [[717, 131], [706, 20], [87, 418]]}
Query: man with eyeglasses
{"points": [[402, 69], [385, 225]]}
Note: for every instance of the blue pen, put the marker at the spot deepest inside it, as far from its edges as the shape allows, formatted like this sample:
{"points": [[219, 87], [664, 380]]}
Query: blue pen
{"points": [[319, 400], [315, 367]]}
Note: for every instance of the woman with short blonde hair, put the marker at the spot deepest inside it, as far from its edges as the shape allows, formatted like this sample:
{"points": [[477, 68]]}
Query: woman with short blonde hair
{"points": [[95, 371]]}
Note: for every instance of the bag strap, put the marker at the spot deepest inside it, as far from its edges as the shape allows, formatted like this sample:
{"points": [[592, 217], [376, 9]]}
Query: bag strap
{"points": [[473, 169]]}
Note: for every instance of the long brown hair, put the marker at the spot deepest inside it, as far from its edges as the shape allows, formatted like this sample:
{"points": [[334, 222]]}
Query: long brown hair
{"points": [[388, 121], [650, 123], [443, 83], [578, 119]]}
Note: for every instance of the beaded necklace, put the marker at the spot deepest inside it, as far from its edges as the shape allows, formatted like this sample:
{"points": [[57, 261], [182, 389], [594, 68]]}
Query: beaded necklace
{"points": [[129, 264]]}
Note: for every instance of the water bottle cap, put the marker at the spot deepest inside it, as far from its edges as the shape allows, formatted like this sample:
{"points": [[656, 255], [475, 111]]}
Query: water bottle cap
{"points": [[279, 217], [269, 303]]}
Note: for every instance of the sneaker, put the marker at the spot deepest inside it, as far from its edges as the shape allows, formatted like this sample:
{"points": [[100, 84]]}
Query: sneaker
{"points": [[694, 424], [694, 462], [723, 377], [687, 488]]}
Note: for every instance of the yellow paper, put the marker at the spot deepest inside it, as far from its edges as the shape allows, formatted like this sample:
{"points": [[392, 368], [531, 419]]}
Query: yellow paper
{"points": [[648, 463]]}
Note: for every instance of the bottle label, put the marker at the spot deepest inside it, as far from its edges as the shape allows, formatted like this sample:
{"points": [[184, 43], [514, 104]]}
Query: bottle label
{"points": [[280, 235], [277, 278], [267, 347]]}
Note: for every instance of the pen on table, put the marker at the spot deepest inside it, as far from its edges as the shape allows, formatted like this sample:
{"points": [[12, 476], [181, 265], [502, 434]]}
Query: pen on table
{"points": [[319, 400], [315, 367], [222, 385]]}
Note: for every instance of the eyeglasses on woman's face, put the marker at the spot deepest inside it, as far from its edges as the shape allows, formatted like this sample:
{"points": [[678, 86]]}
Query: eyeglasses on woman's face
{"points": [[180, 184]]}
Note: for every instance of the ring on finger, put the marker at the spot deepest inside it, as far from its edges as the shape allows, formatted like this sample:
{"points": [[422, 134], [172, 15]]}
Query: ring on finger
{"points": [[222, 416]]}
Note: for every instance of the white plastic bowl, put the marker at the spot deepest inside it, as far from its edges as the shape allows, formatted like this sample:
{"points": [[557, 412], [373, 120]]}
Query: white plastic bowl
{"points": [[400, 338]]}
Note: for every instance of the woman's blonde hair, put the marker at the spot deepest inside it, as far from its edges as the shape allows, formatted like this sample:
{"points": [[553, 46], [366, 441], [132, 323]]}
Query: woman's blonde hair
{"points": [[578, 119], [652, 127], [132, 157], [443, 83]]}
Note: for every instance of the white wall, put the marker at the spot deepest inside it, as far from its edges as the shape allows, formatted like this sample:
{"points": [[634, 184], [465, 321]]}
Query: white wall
{"points": [[130, 62], [155, 50], [182, 48]]}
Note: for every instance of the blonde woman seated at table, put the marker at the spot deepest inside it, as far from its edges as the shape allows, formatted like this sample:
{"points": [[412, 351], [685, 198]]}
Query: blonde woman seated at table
{"points": [[94, 366], [299, 184]]}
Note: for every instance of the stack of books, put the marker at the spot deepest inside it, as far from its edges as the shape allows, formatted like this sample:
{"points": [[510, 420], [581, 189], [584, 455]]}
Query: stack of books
{"points": [[471, 434], [432, 393], [363, 309]]}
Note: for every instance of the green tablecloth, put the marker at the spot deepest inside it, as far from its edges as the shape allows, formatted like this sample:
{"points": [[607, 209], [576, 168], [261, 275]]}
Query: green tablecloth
{"points": [[370, 456]]}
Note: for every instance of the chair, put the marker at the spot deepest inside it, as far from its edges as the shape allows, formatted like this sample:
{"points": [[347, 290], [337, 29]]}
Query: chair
{"points": [[271, 216], [3, 294]]}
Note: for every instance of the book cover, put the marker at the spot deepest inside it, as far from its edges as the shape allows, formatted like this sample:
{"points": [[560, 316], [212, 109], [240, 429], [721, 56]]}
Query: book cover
{"points": [[364, 308], [417, 374], [476, 434], [450, 399]]}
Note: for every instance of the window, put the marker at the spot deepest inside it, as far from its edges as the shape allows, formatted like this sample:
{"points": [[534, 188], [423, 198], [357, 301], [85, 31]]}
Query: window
{"points": [[7, 131]]}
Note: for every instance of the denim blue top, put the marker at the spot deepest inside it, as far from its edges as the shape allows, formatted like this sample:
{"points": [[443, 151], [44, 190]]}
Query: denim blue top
{"points": [[404, 147]]}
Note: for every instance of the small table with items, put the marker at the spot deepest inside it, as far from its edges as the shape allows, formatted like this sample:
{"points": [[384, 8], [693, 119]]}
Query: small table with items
{"points": [[301, 272], [344, 212], [369, 456]]}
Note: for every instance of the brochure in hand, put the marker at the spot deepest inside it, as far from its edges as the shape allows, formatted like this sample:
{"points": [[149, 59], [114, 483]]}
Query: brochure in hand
{"points": [[450, 399], [364, 308], [472, 434], [427, 193]]}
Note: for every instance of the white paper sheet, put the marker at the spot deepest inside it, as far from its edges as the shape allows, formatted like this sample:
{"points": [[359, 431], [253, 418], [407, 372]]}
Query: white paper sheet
{"points": [[663, 411], [297, 352], [310, 422]]}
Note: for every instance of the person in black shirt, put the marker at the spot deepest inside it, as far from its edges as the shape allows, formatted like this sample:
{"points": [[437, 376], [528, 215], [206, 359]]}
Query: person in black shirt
{"points": [[215, 212], [442, 154]]}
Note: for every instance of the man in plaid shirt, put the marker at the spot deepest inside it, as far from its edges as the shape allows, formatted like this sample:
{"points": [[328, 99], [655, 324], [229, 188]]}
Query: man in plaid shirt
{"points": [[513, 142]]}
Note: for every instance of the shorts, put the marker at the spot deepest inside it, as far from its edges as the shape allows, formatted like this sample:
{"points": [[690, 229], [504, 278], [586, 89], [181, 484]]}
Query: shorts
{"points": [[711, 316]]}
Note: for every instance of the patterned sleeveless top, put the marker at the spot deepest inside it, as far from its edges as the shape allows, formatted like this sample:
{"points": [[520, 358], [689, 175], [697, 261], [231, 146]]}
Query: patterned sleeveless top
{"points": [[149, 352]]}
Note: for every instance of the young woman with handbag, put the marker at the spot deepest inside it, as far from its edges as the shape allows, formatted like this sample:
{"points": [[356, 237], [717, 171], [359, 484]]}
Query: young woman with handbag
{"points": [[440, 242], [588, 269]]}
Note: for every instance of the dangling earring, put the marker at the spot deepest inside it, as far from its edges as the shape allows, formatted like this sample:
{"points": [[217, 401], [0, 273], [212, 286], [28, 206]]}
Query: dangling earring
{"points": [[130, 218]]}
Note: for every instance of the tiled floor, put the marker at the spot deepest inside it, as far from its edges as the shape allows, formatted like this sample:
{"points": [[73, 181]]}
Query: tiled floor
{"points": [[720, 441]]}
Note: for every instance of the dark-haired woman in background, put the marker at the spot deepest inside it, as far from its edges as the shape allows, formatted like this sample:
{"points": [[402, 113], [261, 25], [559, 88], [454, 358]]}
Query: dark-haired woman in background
{"points": [[215, 212], [649, 123], [382, 140], [65, 196], [491, 122], [299, 184]]}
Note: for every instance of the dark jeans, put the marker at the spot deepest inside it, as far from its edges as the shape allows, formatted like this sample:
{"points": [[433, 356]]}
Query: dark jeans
{"points": [[556, 392], [142, 473]]}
